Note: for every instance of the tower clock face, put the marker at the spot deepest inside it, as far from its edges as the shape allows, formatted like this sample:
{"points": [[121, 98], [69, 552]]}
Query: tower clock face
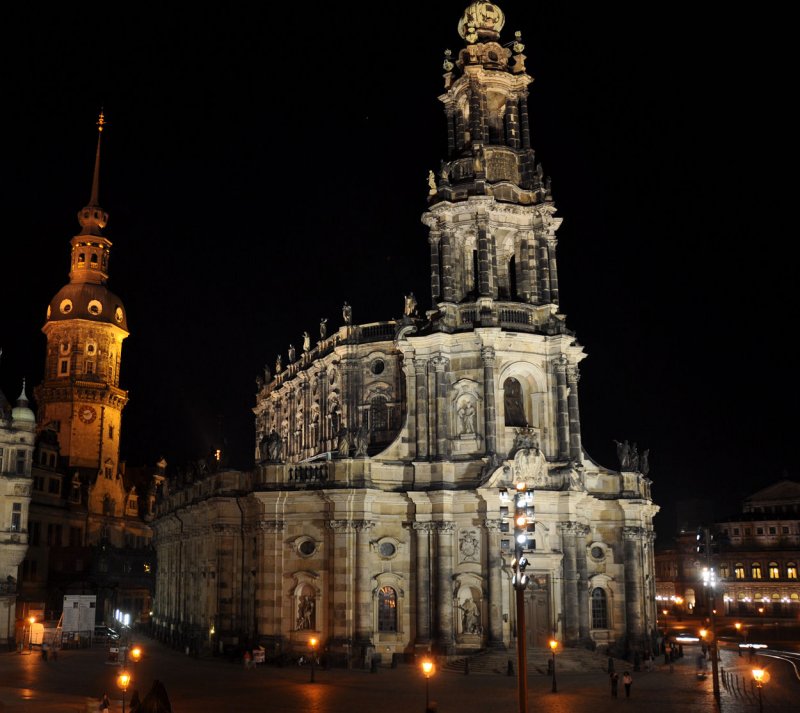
{"points": [[87, 414]]}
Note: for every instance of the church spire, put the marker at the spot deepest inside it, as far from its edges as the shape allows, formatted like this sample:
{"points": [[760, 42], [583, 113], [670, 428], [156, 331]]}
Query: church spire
{"points": [[93, 200], [92, 217]]}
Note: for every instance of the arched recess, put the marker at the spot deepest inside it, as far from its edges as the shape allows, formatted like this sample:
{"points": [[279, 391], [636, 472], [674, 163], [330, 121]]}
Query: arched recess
{"points": [[304, 603], [470, 614], [528, 408], [600, 593]]}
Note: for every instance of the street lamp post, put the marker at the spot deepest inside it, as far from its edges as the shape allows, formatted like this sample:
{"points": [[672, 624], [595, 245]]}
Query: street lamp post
{"points": [[738, 626], [709, 581], [760, 676], [123, 681], [313, 644], [553, 647], [523, 511], [427, 670]]}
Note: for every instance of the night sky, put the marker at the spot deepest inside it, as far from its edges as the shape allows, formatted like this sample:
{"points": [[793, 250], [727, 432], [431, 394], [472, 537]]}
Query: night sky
{"points": [[261, 165]]}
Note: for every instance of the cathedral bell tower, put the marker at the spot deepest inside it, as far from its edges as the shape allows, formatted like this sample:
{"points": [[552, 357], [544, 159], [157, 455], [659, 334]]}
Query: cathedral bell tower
{"points": [[491, 216], [86, 324]]}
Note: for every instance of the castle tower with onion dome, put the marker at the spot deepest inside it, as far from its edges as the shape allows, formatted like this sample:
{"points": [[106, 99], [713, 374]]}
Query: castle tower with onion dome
{"points": [[378, 518]]}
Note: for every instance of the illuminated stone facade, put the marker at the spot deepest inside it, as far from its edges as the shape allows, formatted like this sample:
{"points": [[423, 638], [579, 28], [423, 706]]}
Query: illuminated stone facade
{"points": [[375, 518]]}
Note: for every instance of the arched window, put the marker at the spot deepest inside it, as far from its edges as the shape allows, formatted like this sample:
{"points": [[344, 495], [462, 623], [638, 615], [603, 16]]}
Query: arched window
{"points": [[755, 570], [723, 570], [378, 412], [599, 609], [512, 400], [387, 609], [738, 570], [774, 571], [791, 570]]}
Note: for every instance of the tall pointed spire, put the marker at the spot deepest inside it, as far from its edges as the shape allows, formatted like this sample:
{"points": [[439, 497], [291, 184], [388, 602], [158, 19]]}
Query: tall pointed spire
{"points": [[92, 217], [93, 200]]}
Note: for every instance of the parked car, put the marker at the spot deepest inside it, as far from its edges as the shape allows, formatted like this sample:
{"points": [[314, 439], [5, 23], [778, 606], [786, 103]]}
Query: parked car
{"points": [[105, 632]]}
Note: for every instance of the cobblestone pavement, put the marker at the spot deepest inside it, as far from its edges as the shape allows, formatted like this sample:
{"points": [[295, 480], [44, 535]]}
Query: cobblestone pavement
{"points": [[74, 683]]}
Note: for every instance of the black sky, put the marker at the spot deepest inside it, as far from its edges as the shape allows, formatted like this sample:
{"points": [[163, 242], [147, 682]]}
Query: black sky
{"points": [[264, 164]]}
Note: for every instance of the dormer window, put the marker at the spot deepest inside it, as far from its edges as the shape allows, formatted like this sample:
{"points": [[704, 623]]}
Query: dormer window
{"points": [[81, 260]]}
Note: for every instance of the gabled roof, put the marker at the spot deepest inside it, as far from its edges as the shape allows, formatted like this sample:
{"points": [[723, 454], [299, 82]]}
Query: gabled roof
{"points": [[788, 490]]}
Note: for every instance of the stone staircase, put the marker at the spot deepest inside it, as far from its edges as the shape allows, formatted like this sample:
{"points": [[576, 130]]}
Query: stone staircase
{"points": [[492, 661]]}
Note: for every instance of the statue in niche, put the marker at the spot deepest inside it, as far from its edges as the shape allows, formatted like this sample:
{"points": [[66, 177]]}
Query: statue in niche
{"points": [[323, 328], [470, 617], [512, 401], [466, 418], [347, 313], [274, 445], [305, 613], [362, 441], [344, 443]]}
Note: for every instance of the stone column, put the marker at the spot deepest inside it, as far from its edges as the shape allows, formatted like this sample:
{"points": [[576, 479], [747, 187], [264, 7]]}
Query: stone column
{"points": [[544, 272], [494, 564], [484, 261], [324, 423], [270, 603], [434, 236], [583, 583], [524, 123], [444, 565], [475, 114], [451, 132], [421, 404], [571, 615], [512, 125], [448, 286], [560, 368], [440, 365], [424, 584], [460, 130], [551, 252], [364, 596], [634, 576], [489, 411], [305, 391], [523, 268], [573, 376]]}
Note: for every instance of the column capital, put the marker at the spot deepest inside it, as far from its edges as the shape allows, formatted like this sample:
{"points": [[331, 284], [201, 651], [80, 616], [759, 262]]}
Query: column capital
{"points": [[573, 375], [444, 526], [493, 525], [271, 525], [634, 533], [488, 356], [423, 526], [440, 363], [560, 364]]}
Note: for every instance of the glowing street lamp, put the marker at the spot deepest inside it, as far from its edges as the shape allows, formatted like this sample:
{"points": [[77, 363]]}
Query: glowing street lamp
{"points": [[136, 654], [760, 676], [553, 647], [312, 642], [738, 626], [123, 681], [427, 670]]}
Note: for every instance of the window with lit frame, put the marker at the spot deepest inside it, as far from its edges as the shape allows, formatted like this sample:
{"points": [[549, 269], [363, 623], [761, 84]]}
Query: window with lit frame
{"points": [[599, 609], [738, 571], [387, 609], [774, 571]]}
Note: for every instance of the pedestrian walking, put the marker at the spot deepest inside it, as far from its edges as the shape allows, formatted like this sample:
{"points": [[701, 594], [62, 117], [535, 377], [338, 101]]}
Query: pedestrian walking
{"points": [[627, 681], [614, 683], [105, 704]]}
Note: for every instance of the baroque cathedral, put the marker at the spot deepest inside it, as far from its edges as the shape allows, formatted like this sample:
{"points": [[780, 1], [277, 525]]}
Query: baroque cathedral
{"points": [[377, 517]]}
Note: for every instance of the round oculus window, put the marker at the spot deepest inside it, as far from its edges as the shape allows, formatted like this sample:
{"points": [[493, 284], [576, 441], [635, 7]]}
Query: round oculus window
{"points": [[65, 306], [118, 314], [377, 366], [95, 307], [597, 552], [387, 549], [307, 548]]}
